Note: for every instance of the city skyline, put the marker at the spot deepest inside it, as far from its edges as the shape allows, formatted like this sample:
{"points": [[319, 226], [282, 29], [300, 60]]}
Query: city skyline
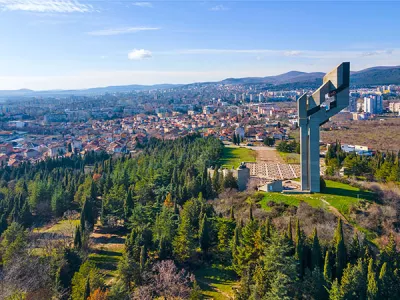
{"points": [[83, 44]]}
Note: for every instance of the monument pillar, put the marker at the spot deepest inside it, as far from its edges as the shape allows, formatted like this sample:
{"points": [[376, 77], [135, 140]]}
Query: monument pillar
{"points": [[315, 110]]}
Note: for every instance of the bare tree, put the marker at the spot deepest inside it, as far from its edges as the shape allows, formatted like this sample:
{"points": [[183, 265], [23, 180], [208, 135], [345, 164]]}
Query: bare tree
{"points": [[165, 281]]}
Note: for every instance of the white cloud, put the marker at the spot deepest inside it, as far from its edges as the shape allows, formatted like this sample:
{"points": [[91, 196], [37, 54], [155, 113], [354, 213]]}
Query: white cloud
{"points": [[139, 54], [117, 31], [49, 6], [219, 7], [311, 54], [292, 53], [143, 4]]}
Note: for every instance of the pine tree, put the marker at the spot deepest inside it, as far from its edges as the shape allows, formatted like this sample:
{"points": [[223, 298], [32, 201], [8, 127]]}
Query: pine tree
{"points": [[334, 292], [204, 235], [372, 289], [316, 258], [353, 284], [87, 289], [341, 255]]}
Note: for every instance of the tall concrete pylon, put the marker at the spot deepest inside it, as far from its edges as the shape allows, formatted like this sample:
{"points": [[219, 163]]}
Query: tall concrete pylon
{"points": [[315, 110]]}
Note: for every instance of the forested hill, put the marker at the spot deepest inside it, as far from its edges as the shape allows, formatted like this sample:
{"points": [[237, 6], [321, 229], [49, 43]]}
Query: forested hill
{"points": [[157, 226]]}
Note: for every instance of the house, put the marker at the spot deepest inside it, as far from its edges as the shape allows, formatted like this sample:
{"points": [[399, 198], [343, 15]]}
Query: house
{"points": [[56, 150], [6, 148]]}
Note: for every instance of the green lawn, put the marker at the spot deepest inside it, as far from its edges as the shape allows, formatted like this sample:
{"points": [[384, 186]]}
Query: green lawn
{"points": [[232, 157], [339, 195], [216, 282]]}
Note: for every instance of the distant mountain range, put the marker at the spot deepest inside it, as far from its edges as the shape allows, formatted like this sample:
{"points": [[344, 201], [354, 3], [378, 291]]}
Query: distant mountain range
{"points": [[370, 76], [290, 80]]}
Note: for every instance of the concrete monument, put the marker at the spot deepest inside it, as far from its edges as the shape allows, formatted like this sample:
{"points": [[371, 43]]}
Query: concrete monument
{"points": [[315, 110]]}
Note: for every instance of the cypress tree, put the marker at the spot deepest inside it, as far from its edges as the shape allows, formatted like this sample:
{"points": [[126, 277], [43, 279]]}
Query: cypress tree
{"points": [[87, 289], [384, 283], [299, 249], [355, 249], [143, 257], [216, 181], [316, 258], [128, 205], [341, 255], [289, 230], [372, 288], [327, 268], [78, 238], [162, 249], [204, 235], [268, 228], [232, 215], [236, 240]]}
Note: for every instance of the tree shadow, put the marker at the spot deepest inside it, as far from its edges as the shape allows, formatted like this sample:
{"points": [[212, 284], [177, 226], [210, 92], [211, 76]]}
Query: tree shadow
{"points": [[349, 193]]}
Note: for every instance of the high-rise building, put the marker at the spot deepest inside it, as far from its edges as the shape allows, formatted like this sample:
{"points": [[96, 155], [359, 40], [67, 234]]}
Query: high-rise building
{"points": [[369, 105], [373, 104], [379, 104], [260, 97]]}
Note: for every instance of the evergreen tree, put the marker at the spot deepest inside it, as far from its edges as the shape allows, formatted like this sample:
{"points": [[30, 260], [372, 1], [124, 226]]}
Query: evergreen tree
{"points": [[143, 257], [232, 214], [78, 238], [86, 294], [355, 249], [289, 230], [204, 235], [372, 289], [353, 284], [327, 268], [128, 205], [299, 248], [316, 258], [334, 292], [234, 139], [341, 255]]}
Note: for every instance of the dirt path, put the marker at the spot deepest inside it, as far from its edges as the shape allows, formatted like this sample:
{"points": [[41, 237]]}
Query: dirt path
{"points": [[335, 211], [268, 155]]}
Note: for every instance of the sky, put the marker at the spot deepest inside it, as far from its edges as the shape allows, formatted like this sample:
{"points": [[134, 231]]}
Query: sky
{"points": [[77, 44]]}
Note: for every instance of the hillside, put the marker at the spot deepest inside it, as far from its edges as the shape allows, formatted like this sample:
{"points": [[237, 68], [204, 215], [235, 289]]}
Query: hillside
{"points": [[290, 80]]}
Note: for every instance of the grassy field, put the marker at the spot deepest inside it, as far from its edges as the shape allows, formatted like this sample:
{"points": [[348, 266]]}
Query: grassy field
{"points": [[290, 158], [216, 282], [106, 251], [339, 195], [232, 157]]}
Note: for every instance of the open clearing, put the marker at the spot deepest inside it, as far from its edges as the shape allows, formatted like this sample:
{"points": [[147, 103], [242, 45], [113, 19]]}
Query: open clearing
{"points": [[233, 156], [216, 282], [338, 195]]}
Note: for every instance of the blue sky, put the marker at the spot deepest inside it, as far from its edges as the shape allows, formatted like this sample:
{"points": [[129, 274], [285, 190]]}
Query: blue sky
{"points": [[65, 44]]}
